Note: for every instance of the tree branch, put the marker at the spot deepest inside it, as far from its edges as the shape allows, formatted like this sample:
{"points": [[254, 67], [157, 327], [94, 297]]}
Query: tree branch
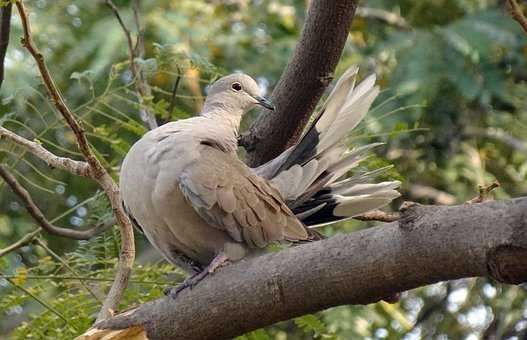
{"points": [[308, 73], [75, 167], [97, 172], [41, 220], [5, 28], [137, 51], [517, 14], [428, 244]]}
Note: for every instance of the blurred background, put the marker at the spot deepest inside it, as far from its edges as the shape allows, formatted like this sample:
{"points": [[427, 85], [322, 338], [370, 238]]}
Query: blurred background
{"points": [[452, 112]]}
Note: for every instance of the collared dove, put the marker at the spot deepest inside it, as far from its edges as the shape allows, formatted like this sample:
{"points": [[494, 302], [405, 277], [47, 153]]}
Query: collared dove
{"points": [[200, 206]]}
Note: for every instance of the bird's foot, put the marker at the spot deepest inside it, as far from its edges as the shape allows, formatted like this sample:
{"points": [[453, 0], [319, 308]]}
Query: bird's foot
{"points": [[219, 261]]}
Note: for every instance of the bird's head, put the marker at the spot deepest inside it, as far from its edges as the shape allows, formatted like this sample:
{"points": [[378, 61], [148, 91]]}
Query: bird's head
{"points": [[237, 92]]}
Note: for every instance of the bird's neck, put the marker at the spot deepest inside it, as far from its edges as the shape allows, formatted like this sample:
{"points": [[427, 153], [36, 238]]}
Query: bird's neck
{"points": [[224, 123]]}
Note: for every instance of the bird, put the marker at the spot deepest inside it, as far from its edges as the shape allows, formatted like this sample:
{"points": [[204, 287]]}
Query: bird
{"points": [[202, 207]]}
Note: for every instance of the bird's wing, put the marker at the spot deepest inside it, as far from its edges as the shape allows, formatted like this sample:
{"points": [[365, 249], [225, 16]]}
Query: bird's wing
{"points": [[230, 196]]}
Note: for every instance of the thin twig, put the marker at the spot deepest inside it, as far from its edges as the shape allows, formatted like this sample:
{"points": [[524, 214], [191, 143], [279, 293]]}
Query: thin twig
{"points": [[484, 192], [173, 95], [97, 172], [379, 215], [39, 217], [56, 96], [86, 278], [137, 51], [517, 14], [5, 28], [27, 239]]}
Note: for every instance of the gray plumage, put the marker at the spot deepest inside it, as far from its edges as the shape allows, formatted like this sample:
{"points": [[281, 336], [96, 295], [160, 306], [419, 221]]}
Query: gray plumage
{"points": [[184, 185]]}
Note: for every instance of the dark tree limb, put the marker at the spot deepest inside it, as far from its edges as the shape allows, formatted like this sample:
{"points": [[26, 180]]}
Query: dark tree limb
{"points": [[5, 28], [308, 73], [427, 245]]}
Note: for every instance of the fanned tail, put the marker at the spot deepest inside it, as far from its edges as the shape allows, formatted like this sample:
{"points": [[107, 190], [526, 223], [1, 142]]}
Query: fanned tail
{"points": [[309, 174]]}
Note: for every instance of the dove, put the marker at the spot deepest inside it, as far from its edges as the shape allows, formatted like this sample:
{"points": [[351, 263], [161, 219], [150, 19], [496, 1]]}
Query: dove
{"points": [[201, 207]]}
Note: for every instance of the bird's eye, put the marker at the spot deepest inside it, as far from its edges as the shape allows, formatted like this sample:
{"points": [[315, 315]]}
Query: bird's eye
{"points": [[236, 86]]}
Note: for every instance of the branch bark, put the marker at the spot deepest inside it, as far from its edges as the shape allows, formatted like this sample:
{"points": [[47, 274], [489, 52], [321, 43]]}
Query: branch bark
{"points": [[308, 73], [428, 244], [517, 14]]}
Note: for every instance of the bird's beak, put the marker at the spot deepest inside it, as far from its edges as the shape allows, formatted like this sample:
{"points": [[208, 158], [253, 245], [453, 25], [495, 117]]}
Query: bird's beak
{"points": [[264, 102]]}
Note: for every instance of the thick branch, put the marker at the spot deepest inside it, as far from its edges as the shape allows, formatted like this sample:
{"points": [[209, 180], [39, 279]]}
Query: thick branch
{"points": [[41, 220], [428, 244], [75, 167], [303, 81]]}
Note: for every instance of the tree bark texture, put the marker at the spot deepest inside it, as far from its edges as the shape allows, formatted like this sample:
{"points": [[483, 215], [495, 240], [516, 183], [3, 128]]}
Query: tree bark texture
{"points": [[427, 245], [308, 73]]}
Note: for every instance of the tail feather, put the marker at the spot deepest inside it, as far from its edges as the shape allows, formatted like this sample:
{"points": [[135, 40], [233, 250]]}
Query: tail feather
{"points": [[308, 173]]}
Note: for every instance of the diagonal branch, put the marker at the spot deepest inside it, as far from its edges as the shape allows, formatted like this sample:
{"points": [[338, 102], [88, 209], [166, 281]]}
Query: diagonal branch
{"points": [[306, 76], [39, 217], [75, 167], [142, 88], [5, 28], [427, 245], [517, 14]]}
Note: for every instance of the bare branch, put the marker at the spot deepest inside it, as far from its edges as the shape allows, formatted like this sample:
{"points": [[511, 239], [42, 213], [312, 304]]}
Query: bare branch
{"points": [[517, 14], [39, 217], [75, 167], [41, 220], [5, 28], [428, 244], [97, 172], [306, 76], [137, 51], [56, 96]]}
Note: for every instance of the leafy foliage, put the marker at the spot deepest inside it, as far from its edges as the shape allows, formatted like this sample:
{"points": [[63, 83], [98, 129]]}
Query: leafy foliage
{"points": [[451, 83]]}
